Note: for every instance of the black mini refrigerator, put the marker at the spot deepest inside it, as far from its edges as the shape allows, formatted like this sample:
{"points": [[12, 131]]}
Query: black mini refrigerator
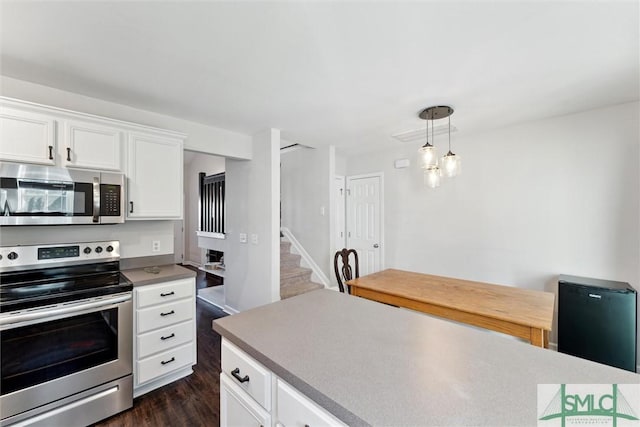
{"points": [[597, 320]]}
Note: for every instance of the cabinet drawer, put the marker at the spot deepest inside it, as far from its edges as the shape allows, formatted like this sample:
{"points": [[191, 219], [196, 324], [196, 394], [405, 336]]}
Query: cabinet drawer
{"points": [[258, 385], [165, 292], [295, 409], [164, 339], [164, 315], [164, 363]]}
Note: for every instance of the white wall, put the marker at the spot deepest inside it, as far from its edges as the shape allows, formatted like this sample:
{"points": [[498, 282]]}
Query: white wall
{"points": [[306, 187], [194, 163], [252, 275], [556, 196], [135, 236], [203, 138]]}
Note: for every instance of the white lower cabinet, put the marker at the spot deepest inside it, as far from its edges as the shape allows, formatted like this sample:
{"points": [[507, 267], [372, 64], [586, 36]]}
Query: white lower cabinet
{"points": [[294, 409], [237, 409], [251, 395], [165, 334]]}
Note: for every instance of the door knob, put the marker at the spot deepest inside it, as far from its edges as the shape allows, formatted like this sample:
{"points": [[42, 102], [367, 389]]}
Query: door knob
{"points": [[375, 245]]}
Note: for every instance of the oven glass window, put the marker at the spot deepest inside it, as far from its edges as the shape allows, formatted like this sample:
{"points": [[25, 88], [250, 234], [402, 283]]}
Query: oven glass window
{"points": [[45, 351]]}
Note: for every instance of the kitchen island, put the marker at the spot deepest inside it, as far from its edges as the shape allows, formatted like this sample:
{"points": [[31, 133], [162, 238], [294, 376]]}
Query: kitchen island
{"points": [[368, 363]]}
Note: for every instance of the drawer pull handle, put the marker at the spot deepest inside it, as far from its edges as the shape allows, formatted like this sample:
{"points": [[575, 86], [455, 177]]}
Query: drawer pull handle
{"points": [[167, 337], [68, 154], [131, 209], [164, 362], [51, 152], [166, 314], [236, 375], [167, 294]]}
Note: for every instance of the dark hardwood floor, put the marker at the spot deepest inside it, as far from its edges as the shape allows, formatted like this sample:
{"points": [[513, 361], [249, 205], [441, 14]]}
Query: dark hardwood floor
{"points": [[190, 401]]}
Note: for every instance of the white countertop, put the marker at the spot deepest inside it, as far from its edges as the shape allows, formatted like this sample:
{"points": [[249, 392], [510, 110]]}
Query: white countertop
{"points": [[369, 363]]}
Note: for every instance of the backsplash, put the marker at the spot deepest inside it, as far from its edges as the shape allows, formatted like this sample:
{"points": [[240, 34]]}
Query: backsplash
{"points": [[136, 237]]}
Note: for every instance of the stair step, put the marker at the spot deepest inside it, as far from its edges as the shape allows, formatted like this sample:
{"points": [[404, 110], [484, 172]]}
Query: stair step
{"points": [[285, 247], [299, 288], [295, 275], [289, 260]]}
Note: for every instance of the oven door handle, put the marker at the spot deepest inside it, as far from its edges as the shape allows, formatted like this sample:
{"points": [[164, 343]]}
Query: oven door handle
{"points": [[64, 311]]}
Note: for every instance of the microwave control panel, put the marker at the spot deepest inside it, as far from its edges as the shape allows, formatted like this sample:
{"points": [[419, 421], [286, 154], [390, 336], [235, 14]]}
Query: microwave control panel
{"points": [[110, 200]]}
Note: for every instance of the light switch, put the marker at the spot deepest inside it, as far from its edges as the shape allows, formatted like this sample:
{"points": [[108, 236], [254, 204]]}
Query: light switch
{"points": [[254, 239], [243, 237]]}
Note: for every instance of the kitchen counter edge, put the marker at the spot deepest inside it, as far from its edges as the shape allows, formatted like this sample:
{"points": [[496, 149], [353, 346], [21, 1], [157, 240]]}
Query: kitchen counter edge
{"points": [[157, 274]]}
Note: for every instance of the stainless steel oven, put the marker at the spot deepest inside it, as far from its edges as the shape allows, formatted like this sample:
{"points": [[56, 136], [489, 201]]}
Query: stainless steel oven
{"points": [[65, 334], [42, 195]]}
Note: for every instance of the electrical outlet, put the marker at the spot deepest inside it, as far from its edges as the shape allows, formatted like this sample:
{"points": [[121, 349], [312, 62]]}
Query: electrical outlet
{"points": [[254, 239], [155, 246], [243, 237]]}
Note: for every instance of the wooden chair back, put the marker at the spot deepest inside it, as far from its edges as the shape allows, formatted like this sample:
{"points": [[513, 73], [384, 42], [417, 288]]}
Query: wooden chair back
{"points": [[345, 272]]}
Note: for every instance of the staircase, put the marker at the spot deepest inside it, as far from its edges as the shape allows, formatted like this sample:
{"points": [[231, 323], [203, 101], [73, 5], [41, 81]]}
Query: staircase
{"points": [[294, 280]]}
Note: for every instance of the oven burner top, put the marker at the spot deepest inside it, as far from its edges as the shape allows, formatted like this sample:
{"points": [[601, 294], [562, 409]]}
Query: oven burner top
{"points": [[27, 289]]}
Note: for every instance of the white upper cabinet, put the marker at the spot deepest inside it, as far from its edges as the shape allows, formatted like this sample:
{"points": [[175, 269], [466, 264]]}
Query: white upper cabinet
{"points": [[27, 136], [151, 158], [154, 175], [90, 145]]}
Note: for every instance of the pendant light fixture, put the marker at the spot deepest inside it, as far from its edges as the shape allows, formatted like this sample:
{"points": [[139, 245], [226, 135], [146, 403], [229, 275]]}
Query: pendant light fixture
{"points": [[428, 155], [450, 163]]}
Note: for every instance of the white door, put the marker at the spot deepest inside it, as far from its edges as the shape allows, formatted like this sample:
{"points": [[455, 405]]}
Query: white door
{"points": [[339, 214], [364, 220]]}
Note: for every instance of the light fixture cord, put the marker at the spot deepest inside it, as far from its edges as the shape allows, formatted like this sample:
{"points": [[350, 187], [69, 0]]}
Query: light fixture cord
{"points": [[449, 131], [427, 131], [432, 137]]}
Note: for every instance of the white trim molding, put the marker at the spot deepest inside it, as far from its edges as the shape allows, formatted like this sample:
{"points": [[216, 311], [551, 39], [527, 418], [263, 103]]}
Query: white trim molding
{"points": [[317, 273]]}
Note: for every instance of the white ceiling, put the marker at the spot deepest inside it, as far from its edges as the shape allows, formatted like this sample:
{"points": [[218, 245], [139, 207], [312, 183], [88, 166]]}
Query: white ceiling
{"points": [[349, 74]]}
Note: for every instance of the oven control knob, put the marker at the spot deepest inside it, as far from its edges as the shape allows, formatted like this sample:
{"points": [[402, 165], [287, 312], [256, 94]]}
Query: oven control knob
{"points": [[87, 250], [12, 256], [98, 249], [0, 257], [109, 248]]}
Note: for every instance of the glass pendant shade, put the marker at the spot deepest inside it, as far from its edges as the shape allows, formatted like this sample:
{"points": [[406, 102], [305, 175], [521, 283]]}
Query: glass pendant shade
{"points": [[434, 168], [428, 156], [451, 165], [432, 177]]}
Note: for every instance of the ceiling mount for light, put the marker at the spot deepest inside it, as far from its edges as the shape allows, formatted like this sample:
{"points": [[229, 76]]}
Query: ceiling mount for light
{"points": [[435, 113], [450, 162]]}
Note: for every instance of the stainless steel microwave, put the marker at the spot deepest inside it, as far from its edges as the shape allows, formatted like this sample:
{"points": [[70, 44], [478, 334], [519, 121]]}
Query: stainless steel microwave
{"points": [[43, 195]]}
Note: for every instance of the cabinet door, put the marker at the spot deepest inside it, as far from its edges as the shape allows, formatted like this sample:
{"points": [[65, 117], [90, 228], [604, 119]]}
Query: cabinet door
{"points": [[27, 137], [154, 173], [294, 409], [237, 409], [92, 146]]}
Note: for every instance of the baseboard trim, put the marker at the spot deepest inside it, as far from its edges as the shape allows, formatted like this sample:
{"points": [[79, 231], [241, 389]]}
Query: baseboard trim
{"points": [[162, 381], [230, 310]]}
